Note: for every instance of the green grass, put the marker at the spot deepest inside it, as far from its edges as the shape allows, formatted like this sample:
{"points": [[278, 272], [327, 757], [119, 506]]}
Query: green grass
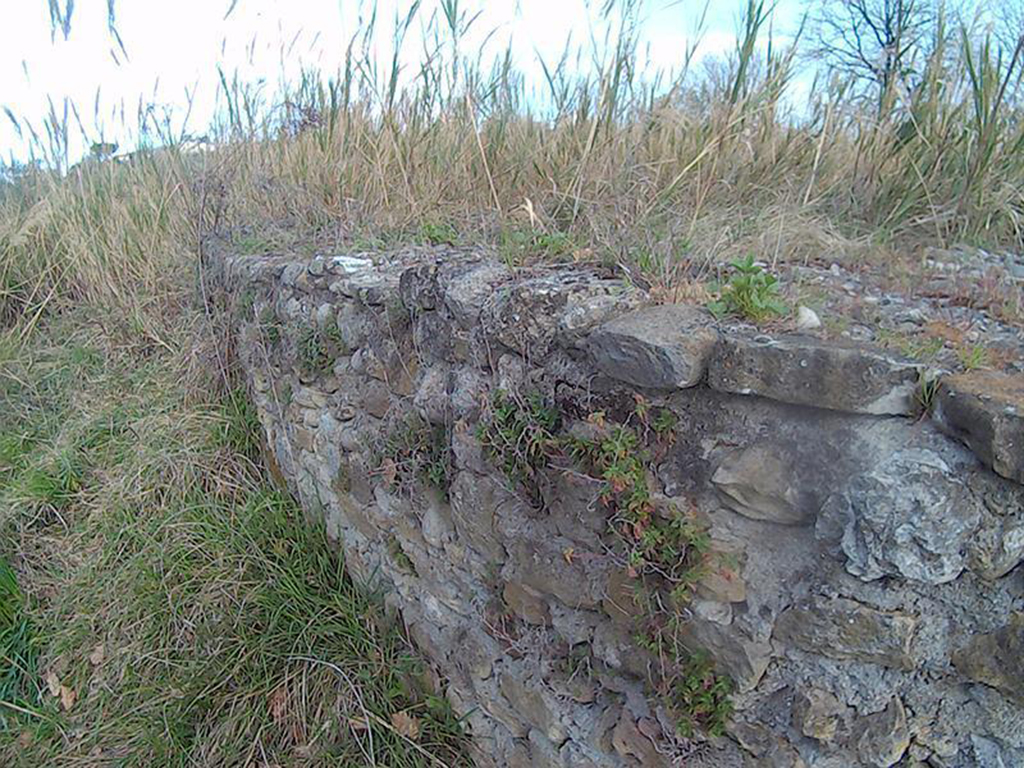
{"points": [[318, 348], [191, 609], [19, 692], [518, 435]]}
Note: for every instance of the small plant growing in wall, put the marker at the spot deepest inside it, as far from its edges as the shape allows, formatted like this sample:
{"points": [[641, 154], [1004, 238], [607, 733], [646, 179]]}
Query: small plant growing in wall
{"points": [[317, 349], [401, 559], [270, 327], [522, 246], [751, 293], [416, 450], [246, 301], [701, 696], [438, 233], [926, 392], [667, 554], [519, 435]]}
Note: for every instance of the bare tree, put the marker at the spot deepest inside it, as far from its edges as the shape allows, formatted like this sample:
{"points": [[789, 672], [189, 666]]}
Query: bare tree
{"points": [[876, 42]]}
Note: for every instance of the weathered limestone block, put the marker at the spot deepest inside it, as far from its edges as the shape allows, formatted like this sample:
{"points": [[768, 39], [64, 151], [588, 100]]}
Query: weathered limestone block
{"points": [[760, 482], [360, 278], [907, 515], [807, 371], [985, 409], [469, 394], [572, 502], [436, 521], [613, 644], [464, 297], [529, 315], [630, 742], [722, 581], [661, 347], [432, 399], [419, 288], [476, 501], [619, 600], [995, 658], [376, 399], [847, 630], [765, 749], [998, 546], [528, 697], [544, 567], [432, 337]]}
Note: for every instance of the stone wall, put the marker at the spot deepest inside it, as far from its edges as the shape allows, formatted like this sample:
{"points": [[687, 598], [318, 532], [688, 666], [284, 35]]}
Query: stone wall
{"points": [[571, 495]]}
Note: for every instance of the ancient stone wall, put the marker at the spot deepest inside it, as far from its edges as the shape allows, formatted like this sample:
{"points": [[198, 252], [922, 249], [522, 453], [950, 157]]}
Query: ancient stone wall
{"points": [[627, 535]]}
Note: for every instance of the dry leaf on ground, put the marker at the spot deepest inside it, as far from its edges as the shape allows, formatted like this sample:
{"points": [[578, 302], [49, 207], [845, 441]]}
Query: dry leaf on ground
{"points": [[98, 654], [406, 725], [389, 470], [53, 683], [279, 704]]}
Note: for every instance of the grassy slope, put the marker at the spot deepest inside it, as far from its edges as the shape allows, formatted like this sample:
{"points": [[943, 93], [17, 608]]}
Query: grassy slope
{"points": [[187, 607]]}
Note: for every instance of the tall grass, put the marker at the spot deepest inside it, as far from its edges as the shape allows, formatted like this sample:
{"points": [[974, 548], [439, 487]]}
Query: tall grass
{"points": [[668, 171]]}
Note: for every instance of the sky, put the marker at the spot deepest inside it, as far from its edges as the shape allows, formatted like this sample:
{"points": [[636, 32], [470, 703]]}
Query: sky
{"points": [[174, 49]]}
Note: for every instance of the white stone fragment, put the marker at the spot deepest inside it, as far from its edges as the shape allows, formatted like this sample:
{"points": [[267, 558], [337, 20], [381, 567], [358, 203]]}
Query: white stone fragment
{"points": [[807, 319]]}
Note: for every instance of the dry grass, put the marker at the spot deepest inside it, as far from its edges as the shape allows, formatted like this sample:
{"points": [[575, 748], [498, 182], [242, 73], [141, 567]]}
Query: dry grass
{"points": [[665, 177]]}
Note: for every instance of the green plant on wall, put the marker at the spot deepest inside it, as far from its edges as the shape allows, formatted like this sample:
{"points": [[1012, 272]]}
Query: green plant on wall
{"points": [[751, 293], [417, 450], [701, 696], [270, 327], [521, 246], [438, 233], [666, 551], [318, 348], [519, 435]]}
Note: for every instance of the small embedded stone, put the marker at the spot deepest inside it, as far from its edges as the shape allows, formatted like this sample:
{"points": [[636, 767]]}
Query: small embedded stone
{"points": [[527, 699], [994, 658], [884, 736], [847, 630], [620, 598], [663, 347], [807, 319], [816, 712], [630, 742], [743, 658], [759, 482], [376, 399], [303, 438]]}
